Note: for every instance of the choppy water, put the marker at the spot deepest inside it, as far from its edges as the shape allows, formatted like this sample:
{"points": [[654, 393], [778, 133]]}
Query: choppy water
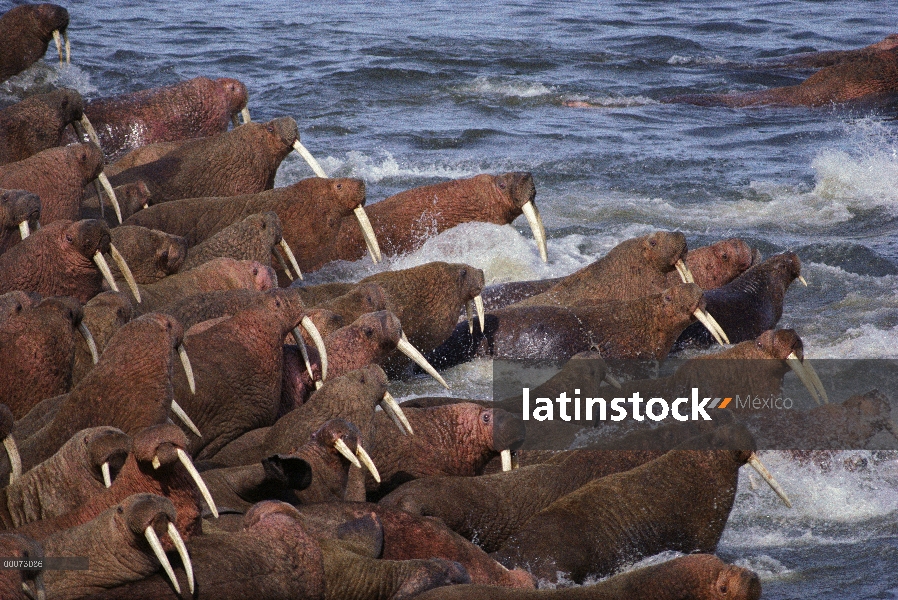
{"points": [[405, 94]]}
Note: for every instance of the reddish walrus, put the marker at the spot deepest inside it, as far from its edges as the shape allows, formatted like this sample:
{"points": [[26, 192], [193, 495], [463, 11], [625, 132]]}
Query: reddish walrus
{"points": [[25, 33], [242, 161], [403, 222], [693, 577], [37, 123], [195, 108], [634, 268], [20, 212], [58, 176], [680, 501]]}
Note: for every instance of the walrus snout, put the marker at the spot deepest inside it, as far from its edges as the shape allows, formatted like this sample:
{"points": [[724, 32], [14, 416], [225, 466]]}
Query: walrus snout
{"points": [[286, 129], [520, 185], [737, 582], [90, 236], [52, 17], [235, 92], [508, 431]]}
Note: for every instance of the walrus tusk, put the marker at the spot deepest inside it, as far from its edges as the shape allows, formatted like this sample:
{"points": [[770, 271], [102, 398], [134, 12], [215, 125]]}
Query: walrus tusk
{"points": [[188, 464], [291, 257], [815, 379], [301, 344], [91, 132], [711, 325], [15, 459], [612, 380], [366, 460], [368, 234], [107, 187], [235, 121], [68, 48], [284, 266], [319, 343], [506, 460], [755, 462], [245, 114], [469, 313], [341, 447], [24, 229], [179, 412], [107, 476], [91, 344], [58, 40], [802, 279], [392, 408], [685, 273], [156, 545], [104, 269], [307, 156], [536, 226], [798, 366], [406, 348], [188, 369], [478, 304], [181, 547], [126, 271]]}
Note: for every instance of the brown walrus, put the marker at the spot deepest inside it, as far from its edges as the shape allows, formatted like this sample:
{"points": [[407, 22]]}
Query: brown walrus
{"points": [[403, 222], [195, 108], [37, 123], [25, 32], [20, 213]]}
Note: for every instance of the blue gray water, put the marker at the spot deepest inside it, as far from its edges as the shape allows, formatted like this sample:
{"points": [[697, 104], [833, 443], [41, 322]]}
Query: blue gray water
{"points": [[407, 93]]}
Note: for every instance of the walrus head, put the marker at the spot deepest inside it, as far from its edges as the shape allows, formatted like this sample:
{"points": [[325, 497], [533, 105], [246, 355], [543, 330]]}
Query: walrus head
{"points": [[519, 188], [234, 93], [21, 209], [664, 249]]}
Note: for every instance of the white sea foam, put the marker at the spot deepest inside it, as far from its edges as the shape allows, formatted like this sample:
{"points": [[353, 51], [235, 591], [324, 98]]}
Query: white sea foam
{"points": [[45, 76], [678, 59], [503, 87]]}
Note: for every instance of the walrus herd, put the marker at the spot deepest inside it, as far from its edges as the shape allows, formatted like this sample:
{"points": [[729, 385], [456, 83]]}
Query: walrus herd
{"points": [[183, 412]]}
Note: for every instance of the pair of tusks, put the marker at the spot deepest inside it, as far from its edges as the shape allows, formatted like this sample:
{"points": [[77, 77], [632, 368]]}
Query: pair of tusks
{"points": [[122, 266], [404, 346], [68, 47], [285, 247], [711, 325], [685, 273], [808, 377], [180, 546], [102, 182], [758, 466], [394, 411], [319, 345], [364, 222], [195, 475], [360, 455], [243, 113], [477, 303], [536, 226]]}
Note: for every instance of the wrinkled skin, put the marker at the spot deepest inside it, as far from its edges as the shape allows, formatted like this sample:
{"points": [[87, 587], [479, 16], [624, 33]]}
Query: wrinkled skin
{"points": [[37, 123], [195, 108], [330, 469], [242, 161], [206, 306], [38, 347], [645, 328], [680, 501], [130, 388], [253, 238], [25, 32], [14, 302], [696, 577], [57, 260], [238, 488], [217, 274], [104, 314], [402, 223], [750, 304], [369, 339], [131, 198], [238, 365], [67, 479], [11, 580], [716, 265], [634, 268], [136, 476], [828, 58], [17, 206], [151, 255], [352, 397], [58, 176], [362, 299], [272, 558], [457, 439], [114, 544], [310, 211], [143, 155]]}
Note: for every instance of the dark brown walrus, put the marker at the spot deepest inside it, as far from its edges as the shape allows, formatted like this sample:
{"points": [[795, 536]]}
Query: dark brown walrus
{"points": [[693, 577], [195, 108], [242, 161], [20, 213], [403, 222], [25, 32], [37, 123]]}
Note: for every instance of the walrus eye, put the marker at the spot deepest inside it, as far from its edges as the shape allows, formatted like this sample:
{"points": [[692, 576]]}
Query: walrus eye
{"points": [[724, 256], [368, 332], [69, 238], [463, 273], [653, 243], [486, 417], [667, 298], [502, 185], [255, 271], [339, 186], [270, 128], [277, 303], [723, 589]]}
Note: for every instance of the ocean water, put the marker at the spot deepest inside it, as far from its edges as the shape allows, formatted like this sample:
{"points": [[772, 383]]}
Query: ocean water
{"points": [[406, 94]]}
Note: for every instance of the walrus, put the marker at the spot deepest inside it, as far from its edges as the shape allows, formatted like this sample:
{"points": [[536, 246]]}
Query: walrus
{"points": [[750, 304], [242, 161], [20, 213], [696, 576], [37, 123], [25, 33], [828, 58], [151, 255], [254, 238], [632, 269], [195, 108], [131, 197], [404, 221]]}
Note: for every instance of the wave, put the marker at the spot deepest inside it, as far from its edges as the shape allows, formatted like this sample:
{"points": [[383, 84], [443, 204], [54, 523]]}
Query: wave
{"points": [[505, 87]]}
